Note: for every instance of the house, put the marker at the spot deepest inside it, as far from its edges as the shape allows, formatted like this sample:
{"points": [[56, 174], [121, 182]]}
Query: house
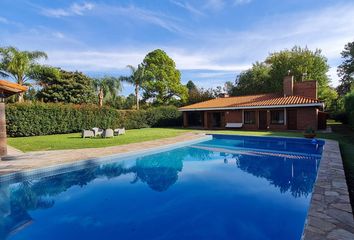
{"points": [[297, 108]]}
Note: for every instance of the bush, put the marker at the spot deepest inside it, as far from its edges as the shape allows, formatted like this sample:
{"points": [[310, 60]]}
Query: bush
{"points": [[349, 107], [167, 116], [27, 119]]}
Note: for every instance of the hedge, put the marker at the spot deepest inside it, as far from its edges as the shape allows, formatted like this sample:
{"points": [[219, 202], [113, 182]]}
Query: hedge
{"points": [[34, 119], [349, 107]]}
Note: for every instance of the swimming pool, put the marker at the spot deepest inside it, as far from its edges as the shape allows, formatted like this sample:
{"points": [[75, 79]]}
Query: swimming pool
{"points": [[229, 187]]}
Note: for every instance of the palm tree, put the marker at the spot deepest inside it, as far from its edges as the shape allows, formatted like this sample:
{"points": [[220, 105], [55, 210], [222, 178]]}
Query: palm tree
{"points": [[136, 79], [19, 64], [106, 86]]}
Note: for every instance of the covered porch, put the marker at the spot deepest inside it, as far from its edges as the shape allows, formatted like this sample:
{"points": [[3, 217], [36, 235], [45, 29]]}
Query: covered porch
{"points": [[204, 119]]}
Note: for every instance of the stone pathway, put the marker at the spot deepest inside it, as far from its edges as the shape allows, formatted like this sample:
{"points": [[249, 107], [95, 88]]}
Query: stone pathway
{"points": [[330, 214], [16, 161]]}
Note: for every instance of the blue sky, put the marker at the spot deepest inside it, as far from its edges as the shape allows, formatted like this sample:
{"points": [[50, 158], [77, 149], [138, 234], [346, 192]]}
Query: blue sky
{"points": [[211, 41]]}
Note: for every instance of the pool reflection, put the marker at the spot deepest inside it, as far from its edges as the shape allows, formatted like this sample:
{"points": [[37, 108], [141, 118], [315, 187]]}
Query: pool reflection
{"points": [[288, 173]]}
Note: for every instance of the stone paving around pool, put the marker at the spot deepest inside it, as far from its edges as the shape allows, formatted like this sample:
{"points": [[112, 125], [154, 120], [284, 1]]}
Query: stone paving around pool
{"points": [[330, 215], [18, 162]]}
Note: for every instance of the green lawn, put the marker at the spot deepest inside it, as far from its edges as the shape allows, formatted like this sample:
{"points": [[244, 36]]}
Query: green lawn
{"points": [[74, 140]]}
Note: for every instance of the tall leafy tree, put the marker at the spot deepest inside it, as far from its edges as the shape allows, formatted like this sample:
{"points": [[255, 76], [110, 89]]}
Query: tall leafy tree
{"points": [[62, 86], [254, 80], [136, 78], [299, 61], [346, 69], [191, 86], [107, 87], [19, 65], [267, 76], [162, 81]]}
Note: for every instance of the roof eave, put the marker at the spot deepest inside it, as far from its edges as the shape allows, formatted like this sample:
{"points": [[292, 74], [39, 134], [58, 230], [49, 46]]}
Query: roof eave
{"points": [[253, 107]]}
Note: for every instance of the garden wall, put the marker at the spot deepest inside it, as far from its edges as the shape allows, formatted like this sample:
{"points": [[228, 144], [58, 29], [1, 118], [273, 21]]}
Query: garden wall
{"points": [[34, 119]]}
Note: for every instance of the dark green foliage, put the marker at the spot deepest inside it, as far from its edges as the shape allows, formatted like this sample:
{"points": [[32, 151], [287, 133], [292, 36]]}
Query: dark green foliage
{"points": [[44, 119], [27, 119], [303, 64], [349, 107], [167, 116], [161, 80], [62, 86], [346, 69], [254, 81]]}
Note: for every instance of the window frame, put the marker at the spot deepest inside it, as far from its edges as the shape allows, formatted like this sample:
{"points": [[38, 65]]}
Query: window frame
{"points": [[250, 120], [276, 121]]}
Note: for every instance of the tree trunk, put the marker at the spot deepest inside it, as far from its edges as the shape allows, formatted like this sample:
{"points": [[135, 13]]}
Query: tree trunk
{"points": [[3, 142], [20, 97], [100, 98], [137, 96]]}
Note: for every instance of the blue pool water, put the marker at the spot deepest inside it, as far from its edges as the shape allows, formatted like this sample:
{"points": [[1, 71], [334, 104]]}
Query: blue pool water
{"points": [[229, 187]]}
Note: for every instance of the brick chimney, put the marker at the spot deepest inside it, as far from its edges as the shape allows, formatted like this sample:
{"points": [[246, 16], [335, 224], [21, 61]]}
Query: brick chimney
{"points": [[224, 95], [288, 85]]}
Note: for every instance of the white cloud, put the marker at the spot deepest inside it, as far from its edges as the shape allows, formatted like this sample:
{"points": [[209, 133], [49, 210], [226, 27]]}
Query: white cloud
{"points": [[4, 20], [139, 14], [187, 6], [74, 9], [215, 49], [58, 35], [214, 4], [242, 2]]}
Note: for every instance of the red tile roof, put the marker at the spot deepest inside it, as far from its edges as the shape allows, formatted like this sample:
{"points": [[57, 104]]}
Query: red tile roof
{"points": [[253, 101], [13, 87]]}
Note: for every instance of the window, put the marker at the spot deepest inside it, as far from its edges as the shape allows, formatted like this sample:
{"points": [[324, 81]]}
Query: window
{"points": [[249, 117], [277, 117]]}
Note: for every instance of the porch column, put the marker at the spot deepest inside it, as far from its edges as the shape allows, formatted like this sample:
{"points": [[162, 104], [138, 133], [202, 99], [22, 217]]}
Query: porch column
{"points": [[185, 119], [3, 142], [205, 119]]}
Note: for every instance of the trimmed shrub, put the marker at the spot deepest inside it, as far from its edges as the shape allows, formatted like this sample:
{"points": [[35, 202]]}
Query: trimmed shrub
{"points": [[349, 107], [34, 119], [165, 116]]}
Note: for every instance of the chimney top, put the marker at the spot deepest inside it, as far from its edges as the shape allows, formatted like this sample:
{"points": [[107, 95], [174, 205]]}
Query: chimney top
{"points": [[224, 95]]}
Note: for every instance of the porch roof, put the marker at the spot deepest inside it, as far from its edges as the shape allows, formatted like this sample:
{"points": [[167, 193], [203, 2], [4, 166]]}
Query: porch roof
{"points": [[254, 101], [8, 88]]}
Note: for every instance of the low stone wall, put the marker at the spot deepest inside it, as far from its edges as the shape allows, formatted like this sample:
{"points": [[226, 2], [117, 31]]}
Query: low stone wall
{"points": [[330, 215]]}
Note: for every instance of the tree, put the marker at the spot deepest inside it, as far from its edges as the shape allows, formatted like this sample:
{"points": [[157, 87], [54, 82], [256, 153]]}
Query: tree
{"points": [[253, 81], [267, 76], [19, 65], [63, 86], [106, 87], [162, 81], [191, 86], [136, 78], [228, 87], [299, 61], [346, 69]]}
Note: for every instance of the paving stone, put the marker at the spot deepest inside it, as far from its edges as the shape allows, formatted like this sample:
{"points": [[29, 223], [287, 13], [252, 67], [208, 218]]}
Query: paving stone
{"points": [[340, 234]]}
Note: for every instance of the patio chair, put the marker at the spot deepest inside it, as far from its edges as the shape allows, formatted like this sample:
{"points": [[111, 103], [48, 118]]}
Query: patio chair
{"points": [[108, 133], [119, 131], [87, 133], [97, 131]]}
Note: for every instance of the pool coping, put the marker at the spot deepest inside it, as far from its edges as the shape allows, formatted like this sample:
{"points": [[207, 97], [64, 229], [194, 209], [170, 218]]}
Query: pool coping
{"points": [[92, 162], [330, 214]]}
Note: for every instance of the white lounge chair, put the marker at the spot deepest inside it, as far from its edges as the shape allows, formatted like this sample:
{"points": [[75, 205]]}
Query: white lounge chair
{"points": [[234, 125], [97, 131], [108, 133], [119, 131], [87, 133]]}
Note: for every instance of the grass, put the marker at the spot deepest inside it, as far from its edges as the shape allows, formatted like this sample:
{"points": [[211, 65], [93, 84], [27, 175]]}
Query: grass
{"points": [[341, 133], [74, 140]]}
